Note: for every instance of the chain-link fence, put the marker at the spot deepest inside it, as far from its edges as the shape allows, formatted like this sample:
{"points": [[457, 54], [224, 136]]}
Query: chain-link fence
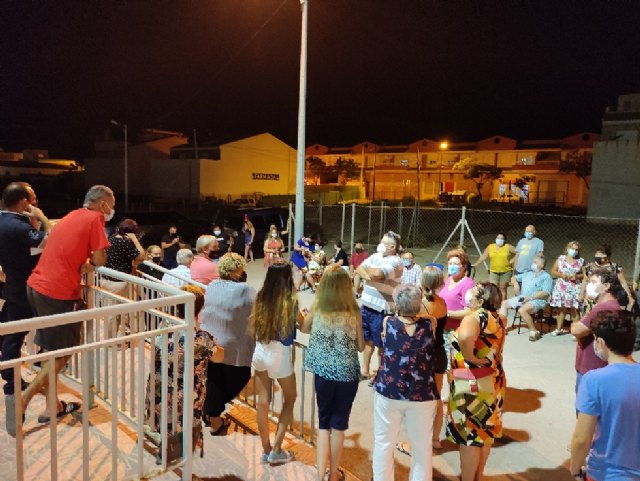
{"points": [[430, 232]]}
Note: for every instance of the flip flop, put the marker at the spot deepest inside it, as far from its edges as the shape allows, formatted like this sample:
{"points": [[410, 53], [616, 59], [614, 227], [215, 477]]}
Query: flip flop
{"points": [[67, 408], [222, 429]]}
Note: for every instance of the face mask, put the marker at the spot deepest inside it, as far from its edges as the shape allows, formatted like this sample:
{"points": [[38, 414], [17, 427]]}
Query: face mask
{"points": [[109, 216], [173, 234], [600, 260], [358, 250], [499, 242], [381, 249], [591, 291], [453, 269], [156, 259], [406, 262], [216, 232], [528, 235], [274, 234], [212, 254], [467, 298], [572, 252], [242, 278], [598, 353], [534, 267]]}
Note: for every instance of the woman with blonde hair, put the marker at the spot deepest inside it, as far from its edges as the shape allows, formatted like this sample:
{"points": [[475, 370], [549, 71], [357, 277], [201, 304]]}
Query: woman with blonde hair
{"points": [[335, 325], [273, 324], [273, 248]]}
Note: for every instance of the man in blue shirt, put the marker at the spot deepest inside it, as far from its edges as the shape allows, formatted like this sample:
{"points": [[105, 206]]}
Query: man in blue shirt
{"points": [[20, 247], [526, 250], [608, 405], [533, 296]]}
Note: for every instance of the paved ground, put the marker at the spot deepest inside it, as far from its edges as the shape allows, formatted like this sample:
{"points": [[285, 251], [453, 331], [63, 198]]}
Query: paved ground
{"points": [[538, 421]]}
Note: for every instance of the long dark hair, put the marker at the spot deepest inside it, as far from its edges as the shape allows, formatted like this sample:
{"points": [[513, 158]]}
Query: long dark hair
{"points": [[274, 311]]}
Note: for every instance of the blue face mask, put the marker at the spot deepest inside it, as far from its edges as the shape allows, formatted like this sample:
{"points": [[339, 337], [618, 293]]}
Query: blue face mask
{"points": [[528, 235], [453, 269], [406, 262]]}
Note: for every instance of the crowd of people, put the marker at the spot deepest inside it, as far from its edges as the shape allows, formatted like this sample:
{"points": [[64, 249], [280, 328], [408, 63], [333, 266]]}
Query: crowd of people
{"points": [[422, 324]]}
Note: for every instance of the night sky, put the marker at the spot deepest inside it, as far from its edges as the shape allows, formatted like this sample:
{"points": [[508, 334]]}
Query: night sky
{"points": [[386, 71]]}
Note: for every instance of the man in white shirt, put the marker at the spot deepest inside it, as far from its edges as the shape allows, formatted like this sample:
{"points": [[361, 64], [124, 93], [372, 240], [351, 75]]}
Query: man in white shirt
{"points": [[184, 258], [411, 272], [381, 272]]}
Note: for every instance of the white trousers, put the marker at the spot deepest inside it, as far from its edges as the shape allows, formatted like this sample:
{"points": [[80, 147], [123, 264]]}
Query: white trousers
{"points": [[418, 417]]}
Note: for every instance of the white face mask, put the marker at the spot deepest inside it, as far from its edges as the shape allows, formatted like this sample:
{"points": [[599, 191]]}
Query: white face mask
{"points": [[571, 252], [381, 249], [591, 291], [109, 216], [499, 242], [216, 232], [274, 234], [467, 298], [598, 354], [534, 267]]}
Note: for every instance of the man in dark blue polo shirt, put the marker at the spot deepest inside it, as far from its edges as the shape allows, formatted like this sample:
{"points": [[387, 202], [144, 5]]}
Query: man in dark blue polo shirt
{"points": [[20, 246]]}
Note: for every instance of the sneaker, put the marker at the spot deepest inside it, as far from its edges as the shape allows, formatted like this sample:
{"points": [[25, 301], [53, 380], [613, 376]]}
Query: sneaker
{"points": [[279, 458], [264, 458], [534, 336], [558, 332]]}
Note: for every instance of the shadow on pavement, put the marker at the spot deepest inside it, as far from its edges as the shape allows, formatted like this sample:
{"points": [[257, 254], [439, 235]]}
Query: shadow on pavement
{"points": [[559, 473], [522, 400]]}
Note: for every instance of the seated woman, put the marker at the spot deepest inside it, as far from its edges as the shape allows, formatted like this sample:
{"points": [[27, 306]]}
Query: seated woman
{"points": [[205, 350], [273, 248], [153, 254], [315, 268], [300, 257]]}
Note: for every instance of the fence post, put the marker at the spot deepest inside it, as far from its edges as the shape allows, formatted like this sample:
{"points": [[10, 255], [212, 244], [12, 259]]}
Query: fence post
{"points": [[637, 258], [381, 218], [369, 228], [353, 224], [320, 212], [344, 207], [462, 223], [400, 219]]}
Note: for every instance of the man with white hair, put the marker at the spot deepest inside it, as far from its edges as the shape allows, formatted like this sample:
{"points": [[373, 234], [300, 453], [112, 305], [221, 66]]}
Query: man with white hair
{"points": [[382, 272], [184, 258], [203, 269]]}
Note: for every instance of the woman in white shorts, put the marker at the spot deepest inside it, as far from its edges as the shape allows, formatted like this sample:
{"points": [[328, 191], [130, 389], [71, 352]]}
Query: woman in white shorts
{"points": [[273, 323]]}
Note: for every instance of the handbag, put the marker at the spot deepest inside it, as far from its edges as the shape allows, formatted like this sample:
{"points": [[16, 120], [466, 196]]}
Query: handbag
{"points": [[473, 381]]}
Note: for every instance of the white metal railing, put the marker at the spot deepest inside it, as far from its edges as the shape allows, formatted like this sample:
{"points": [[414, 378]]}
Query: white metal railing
{"points": [[112, 365]]}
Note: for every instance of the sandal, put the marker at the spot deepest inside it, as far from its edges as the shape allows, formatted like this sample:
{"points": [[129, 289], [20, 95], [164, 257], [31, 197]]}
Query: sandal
{"points": [[67, 408], [222, 429], [404, 450]]}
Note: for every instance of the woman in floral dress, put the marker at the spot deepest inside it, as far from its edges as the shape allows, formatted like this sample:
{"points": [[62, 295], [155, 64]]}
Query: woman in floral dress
{"points": [[204, 350], [475, 419], [568, 273]]}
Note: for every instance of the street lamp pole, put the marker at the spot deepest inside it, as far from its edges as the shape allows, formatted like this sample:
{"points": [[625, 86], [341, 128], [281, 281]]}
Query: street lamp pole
{"points": [[126, 163], [299, 220]]}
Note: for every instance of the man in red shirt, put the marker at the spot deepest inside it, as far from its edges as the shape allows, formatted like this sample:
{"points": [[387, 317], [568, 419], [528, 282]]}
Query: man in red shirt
{"points": [[77, 244]]}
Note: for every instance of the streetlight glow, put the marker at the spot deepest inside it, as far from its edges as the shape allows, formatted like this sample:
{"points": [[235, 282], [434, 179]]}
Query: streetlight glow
{"points": [[444, 145]]}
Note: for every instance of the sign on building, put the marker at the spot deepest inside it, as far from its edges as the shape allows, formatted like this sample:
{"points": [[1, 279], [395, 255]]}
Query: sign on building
{"points": [[261, 176]]}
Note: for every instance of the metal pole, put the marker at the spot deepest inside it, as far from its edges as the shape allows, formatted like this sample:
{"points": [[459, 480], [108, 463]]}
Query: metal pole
{"points": [[636, 267], [126, 168], [463, 221], [381, 217], [369, 228], [320, 212], [289, 236], [353, 224], [299, 225], [373, 189], [344, 207], [400, 219], [418, 171]]}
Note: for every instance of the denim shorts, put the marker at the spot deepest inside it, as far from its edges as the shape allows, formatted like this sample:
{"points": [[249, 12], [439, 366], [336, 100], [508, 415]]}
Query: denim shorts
{"points": [[372, 325]]}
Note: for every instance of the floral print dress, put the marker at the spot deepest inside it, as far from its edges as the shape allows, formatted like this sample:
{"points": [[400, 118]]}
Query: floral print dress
{"points": [[476, 419], [565, 291], [203, 348]]}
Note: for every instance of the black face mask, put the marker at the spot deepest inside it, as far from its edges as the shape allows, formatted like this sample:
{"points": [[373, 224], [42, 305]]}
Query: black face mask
{"points": [[242, 278], [156, 259], [358, 251], [212, 255]]}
